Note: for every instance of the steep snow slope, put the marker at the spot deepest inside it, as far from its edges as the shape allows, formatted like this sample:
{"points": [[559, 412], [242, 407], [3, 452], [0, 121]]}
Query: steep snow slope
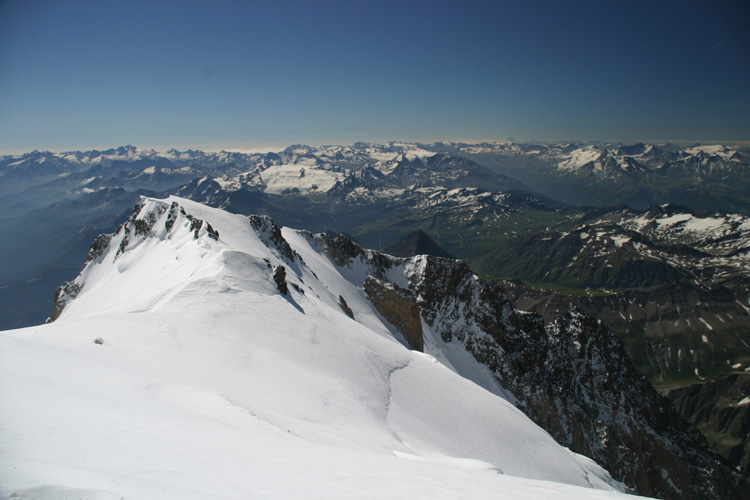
{"points": [[211, 383]]}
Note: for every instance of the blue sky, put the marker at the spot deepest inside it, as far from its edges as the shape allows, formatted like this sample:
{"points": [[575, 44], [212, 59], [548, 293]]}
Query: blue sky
{"points": [[84, 74]]}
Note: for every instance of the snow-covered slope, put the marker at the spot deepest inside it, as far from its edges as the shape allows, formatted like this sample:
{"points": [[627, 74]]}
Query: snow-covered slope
{"points": [[210, 382]]}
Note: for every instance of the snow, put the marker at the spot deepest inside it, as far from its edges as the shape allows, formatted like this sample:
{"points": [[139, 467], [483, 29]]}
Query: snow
{"points": [[249, 178], [224, 181], [744, 401], [210, 384], [281, 177], [697, 224], [455, 357], [384, 156], [420, 153], [580, 158], [619, 239], [713, 149], [706, 324], [674, 219]]}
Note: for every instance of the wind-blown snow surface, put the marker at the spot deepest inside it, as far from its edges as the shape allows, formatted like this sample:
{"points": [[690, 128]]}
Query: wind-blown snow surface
{"points": [[210, 384]]}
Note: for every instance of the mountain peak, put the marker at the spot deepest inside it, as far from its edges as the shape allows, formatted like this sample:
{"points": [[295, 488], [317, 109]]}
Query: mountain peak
{"points": [[313, 327]]}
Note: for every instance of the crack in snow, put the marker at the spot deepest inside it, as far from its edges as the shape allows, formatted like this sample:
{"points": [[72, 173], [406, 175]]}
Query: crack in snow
{"points": [[389, 400], [390, 388]]}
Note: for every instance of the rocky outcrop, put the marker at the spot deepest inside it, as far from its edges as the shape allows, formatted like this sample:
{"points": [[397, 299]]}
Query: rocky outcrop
{"points": [[271, 235], [279, 277], [344, 252], [399, 308], [345, 307], [64, 294], [97, 248]]}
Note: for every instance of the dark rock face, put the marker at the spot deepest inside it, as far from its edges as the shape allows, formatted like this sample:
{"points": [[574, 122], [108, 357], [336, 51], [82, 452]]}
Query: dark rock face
{"points": [[271, 233], [343, 252], [721, 410], [399, 307], [345, 307], [64, 294], [98, 247], [279, 277], [574, 378], [197, 224]]}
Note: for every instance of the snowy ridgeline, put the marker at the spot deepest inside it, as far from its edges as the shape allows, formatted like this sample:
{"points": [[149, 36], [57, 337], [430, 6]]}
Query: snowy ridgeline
{"points": [[209, 382]]}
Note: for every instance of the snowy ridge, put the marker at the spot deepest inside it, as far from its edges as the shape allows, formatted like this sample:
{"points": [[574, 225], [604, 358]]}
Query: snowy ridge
{"points": [[211, 382]]}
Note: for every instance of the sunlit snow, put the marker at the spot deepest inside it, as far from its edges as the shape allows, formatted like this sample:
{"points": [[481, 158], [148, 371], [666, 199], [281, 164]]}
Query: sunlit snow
{"points": [[305, 178], [210, 384], [580, 158]]}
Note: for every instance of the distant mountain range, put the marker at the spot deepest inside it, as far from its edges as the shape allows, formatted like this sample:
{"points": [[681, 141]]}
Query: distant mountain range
{"points": [[700, 177]]}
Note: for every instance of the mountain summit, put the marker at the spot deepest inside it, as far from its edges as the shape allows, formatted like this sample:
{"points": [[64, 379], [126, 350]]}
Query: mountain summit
{"points": [[212, 354], [179, 366]]}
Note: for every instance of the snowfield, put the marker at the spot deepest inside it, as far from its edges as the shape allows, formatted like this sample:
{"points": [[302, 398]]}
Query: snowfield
{"points": [[305, 178], [211, 384]]}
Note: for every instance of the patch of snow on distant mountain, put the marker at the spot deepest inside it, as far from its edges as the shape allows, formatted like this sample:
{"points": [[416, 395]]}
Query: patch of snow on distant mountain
{"points": [[420, 153], [714, 149], [305, 178], [580, 158], [674, 219]]}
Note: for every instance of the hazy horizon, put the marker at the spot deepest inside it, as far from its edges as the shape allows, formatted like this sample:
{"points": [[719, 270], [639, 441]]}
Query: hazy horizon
{"points": [[280, 147]]}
